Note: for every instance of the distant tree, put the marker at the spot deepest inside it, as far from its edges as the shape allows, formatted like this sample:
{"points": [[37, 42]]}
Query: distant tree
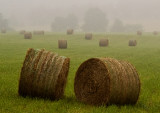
{"points": [[71, 21], [95, 20], [63, 23], [3, 23], [117, 26]]}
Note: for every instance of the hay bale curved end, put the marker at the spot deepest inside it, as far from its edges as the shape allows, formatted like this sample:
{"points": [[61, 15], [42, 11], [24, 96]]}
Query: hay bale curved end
{"points": [[103, 42], [62, 44], [70, 31], [27, 35], [132, 43], [44, 74], [88, 36], [105, 81]]}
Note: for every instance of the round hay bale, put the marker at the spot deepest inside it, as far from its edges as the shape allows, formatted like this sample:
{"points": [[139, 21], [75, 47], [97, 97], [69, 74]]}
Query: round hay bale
{"points": [[22, 32], [44, 74], [139, 33], [105, 81], [103, 42], [27, 35], [3, 31], [88, 36], [155, 33], [70, 31], [38, 32], [62, 44], [132, 43]]}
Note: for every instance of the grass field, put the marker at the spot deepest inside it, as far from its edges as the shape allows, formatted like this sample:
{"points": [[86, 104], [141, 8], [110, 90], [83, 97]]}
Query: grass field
{"points": [[145, 57]]}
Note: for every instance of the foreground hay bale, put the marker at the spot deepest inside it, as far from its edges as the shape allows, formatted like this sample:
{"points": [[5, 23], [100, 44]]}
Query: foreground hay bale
{"points": [[103, 42], [44, 74], [27, 35], [88, 36], [22, 32], [62, 44], [105, 81], [38, 32], [155, 33], [132, 43], [3, 31], [70, 31], [139, 33]]}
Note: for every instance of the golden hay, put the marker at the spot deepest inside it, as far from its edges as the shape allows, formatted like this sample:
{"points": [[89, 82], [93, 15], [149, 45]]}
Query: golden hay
{"points": [[62, 44], [27, 35], [103, 42], [132, 43], [88, 36], [70, 31], [105, 81], [44, 74]]}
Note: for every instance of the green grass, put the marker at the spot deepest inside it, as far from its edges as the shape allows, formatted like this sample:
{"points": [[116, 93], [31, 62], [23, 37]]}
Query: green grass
{"points": [[145, 57]]}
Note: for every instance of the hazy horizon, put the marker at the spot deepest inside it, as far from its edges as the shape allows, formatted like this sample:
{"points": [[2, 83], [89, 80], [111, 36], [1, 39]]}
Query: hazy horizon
{"points": [[39, 14]]}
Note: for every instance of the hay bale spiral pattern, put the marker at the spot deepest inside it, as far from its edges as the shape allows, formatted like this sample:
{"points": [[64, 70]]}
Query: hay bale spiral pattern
{"points": [[44, 74], [105, 81]]}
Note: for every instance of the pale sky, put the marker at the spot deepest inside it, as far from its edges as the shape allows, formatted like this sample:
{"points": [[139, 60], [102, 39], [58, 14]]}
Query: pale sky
{"points": [[41, 13]]}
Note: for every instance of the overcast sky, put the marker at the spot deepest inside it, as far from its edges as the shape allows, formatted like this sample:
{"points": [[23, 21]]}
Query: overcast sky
{"points": [[40, 13]]}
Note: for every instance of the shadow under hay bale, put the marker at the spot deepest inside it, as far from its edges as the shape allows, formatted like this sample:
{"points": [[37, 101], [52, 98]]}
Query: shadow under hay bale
{"points": [[62, 44], [155, 33], [88, 36], [38, 32], [3, 31], [106, 81], [70, 31], [132, 43], [103, 42], [27, 35], [44, 74], [22, 32], [139, 33]]}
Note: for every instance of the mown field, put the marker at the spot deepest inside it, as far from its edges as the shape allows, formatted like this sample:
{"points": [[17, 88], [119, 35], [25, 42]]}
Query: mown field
{"points": [[145, 57]]}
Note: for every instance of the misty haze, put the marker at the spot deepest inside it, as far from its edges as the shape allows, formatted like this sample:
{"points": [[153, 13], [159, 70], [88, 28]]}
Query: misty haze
{"points": [[40, 14]]}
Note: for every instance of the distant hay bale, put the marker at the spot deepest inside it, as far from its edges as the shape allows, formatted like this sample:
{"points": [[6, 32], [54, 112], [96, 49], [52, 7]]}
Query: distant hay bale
{"points": [[105, 81], [44, 74], [88, 36], [132, 43], [103, 42], [22, 32], [70, 31], [139, 33], [27, 35], [62, 44], [155, 33], [38, 32], [3, 31]]}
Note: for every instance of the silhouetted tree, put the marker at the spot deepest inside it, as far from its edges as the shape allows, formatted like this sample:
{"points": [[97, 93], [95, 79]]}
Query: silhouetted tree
{"points": [[117, 26], [62, 24], [95, 20], [3, 23]]}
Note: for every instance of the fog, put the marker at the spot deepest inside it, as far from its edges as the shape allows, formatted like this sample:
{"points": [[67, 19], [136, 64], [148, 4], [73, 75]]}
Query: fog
{"points": [[39, 14]]}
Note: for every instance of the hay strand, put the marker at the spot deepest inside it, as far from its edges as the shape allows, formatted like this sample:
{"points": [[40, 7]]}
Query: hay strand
{"points": [[44, 74], [105, 81]]}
